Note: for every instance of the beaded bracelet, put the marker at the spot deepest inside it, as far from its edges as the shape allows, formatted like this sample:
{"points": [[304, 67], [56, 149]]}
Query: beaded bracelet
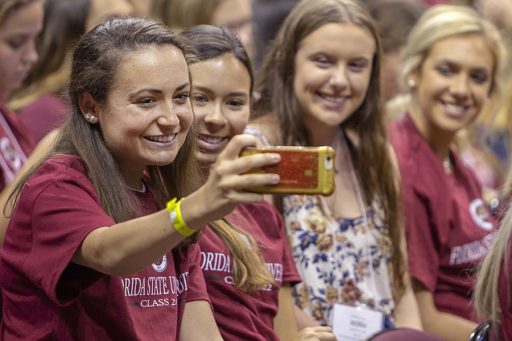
{"points": [[173, 207]]}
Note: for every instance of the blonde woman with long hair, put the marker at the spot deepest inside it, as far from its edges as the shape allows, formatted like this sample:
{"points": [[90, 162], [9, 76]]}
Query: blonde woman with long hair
{"points": [[452, 64]]}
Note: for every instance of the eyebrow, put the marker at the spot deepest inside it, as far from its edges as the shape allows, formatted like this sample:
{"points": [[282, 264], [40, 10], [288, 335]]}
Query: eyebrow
{"points": [[157, 91], [183, 86], [454, 63], [235, 93]]}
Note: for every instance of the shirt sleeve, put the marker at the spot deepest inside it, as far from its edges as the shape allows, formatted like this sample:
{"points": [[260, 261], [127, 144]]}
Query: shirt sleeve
{"points": [[196, 283], [422, 245], [63, 214]]}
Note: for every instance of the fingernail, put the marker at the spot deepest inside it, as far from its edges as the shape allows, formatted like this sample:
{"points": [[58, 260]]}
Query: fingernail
{"points": [[276, 157], [275, 179]]}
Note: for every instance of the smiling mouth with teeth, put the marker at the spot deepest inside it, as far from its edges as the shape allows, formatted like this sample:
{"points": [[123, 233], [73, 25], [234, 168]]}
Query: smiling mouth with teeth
{"points": [[161, 138], [211, 139], [456, 109], [334, 98]]}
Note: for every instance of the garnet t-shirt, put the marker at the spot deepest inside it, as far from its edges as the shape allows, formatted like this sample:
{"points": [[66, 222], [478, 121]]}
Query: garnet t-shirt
{"points": [[240, 315], [48, 297], [448, 226], [44, 114]]}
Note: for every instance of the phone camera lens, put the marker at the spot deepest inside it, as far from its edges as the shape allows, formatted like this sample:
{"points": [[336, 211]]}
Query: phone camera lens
{"points": [[328, 163]]}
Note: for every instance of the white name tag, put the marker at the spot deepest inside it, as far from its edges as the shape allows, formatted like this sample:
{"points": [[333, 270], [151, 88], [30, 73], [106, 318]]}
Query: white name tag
{"points": [[356, 323]]}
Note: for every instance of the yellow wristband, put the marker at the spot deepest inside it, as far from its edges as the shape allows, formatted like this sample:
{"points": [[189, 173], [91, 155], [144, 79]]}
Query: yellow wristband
{"points": [[173, 207]]}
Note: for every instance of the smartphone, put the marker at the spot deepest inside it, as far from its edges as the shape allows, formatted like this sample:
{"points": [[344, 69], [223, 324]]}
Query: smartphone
{"points": [[302, 170]]}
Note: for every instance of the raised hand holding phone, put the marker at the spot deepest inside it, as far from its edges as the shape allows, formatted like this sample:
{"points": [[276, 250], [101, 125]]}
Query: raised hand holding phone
{"points": [[302, 170], [229, 178]]}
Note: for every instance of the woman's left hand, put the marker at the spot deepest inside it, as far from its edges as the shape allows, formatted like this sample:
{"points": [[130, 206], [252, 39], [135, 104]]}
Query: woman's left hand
{"points": [[320, 333]]}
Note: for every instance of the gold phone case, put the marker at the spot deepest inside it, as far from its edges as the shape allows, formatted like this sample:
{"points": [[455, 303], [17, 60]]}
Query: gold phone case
{"points": [[303, 170]]}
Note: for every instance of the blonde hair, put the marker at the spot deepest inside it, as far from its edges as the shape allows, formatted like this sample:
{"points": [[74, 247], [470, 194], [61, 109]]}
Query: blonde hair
{"points": [[486, 295], [443, 21]]}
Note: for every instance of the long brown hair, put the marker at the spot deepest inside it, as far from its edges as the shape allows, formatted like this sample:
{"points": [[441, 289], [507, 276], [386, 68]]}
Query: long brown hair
{"points": [[95, 61], [249, 270], [372, 157]]}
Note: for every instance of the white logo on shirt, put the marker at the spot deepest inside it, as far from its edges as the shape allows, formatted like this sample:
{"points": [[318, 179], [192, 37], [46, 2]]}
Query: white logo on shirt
{"points": [[160, 267], [480, 215], [471, 252]]}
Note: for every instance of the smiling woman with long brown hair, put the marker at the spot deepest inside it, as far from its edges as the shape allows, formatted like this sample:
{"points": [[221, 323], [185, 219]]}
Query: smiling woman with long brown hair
{"points": [[319, 85]]}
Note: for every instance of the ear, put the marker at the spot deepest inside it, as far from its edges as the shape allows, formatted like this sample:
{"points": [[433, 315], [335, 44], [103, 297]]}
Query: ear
{"points": [[89, 107]]}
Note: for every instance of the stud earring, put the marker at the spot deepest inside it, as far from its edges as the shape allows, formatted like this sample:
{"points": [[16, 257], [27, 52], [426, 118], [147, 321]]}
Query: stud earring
{"points": [[91, 118], [411, 82]]}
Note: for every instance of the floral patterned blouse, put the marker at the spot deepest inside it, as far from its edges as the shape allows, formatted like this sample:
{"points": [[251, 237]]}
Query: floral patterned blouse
{"points": [[339, 260]]}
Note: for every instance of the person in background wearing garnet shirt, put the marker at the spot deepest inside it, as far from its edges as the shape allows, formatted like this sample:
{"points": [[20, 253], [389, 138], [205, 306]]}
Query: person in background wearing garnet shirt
{"points": [[41, 101], [452, 63], [245, 257], [94, 250], [20, 23]]}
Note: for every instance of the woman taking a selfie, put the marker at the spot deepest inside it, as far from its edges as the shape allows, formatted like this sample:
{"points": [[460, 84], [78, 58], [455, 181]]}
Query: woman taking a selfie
{"points": [[97, 243]]}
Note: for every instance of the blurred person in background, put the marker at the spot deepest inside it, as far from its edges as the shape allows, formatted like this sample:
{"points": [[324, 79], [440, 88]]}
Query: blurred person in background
{"points": [[41, 102], [452, 62], [232, 14], [491, 134], [393, 18], [142, 8], [21, 22], [267, 17]]}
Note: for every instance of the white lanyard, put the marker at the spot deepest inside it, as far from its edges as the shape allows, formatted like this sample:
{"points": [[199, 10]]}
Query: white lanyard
{"points": [[354, 323], [361, 204]]}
